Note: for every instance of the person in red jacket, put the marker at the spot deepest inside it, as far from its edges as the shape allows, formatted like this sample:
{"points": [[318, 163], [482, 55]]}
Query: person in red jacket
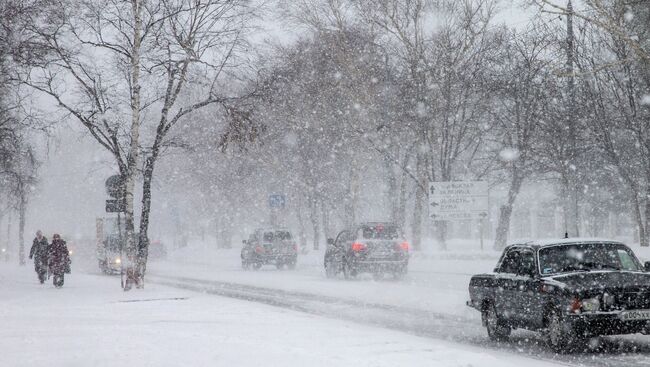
{"points": [[58, 260]]}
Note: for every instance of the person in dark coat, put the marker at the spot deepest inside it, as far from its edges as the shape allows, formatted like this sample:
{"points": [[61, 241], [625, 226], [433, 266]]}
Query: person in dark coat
{"points": [[38, 252], [58, 260]]}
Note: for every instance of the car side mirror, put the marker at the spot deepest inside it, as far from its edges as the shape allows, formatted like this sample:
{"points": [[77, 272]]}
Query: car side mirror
{"points": [[330, 241], [646, 266]]}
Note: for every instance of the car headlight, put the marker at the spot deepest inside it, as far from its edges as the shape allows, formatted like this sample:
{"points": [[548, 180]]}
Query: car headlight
{"points": [[118, 261], [591, 304]]}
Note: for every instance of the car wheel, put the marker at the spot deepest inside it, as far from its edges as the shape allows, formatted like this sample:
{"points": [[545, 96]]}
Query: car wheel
{"points": [[245, 265], [378, 275], [330, 269], [291, 265], [279, 265], [558, 335], [348, 271], [399, 275], [256, 265], [496, 328]]}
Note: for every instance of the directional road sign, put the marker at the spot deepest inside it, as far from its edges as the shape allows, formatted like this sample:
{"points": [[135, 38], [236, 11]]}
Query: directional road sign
{"points": [[458, 200]]}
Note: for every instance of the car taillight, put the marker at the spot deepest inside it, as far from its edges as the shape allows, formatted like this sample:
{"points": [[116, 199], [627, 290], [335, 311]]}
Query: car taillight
{"points": [[259, 249], [358, 246], [295, 247], [404, 246]]}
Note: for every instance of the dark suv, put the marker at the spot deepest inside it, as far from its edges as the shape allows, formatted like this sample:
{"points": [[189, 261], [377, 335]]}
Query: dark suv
{"points": [[373, 247], [569, 290], [273, 246]]}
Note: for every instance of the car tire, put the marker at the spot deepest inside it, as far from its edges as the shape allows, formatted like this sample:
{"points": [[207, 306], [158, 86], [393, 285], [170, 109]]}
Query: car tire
{"points": [[330, 269], [400, 274], [291, 265], [279, 265], [245, 265], [557, 335], [497, 329], [348, 271], [256, 265], [378, 275]]}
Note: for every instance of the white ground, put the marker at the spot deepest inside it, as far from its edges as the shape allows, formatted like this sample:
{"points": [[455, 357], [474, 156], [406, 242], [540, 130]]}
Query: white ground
{"points": [[91, 322]]}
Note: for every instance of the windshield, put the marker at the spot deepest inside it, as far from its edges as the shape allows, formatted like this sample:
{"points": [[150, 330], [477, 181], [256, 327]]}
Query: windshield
{"points": [[381, 232], [587, 257]]}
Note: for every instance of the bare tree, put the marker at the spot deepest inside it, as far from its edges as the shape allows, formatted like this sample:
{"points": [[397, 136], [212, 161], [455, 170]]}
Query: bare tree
{"points": [[524, 90], [127, 60]]}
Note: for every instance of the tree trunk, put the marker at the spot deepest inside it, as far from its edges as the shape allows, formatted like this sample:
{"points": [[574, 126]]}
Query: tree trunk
{"points": [[313, 217], [301, 228], [22, 211], [143, 239], [570, 206], [3, 248], [352, 198], [641, 229], [392, 194], [416, 225], [401, 208], [132, 271], [505, 213], [9, 232], [325, 215]]}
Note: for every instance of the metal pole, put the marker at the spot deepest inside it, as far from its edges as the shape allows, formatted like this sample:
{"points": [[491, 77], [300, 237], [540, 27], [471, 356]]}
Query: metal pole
{"points": [[119, 236], [480, 228]]}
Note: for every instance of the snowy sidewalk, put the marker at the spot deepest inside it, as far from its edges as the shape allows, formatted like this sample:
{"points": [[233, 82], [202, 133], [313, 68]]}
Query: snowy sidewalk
{"points": [[91, 322]]}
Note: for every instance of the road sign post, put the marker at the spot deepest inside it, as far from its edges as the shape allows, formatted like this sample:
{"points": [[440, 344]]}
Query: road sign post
{"points": [[277, 202]]}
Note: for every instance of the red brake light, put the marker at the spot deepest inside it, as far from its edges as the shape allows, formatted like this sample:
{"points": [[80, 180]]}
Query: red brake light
{"points": [[576, 305], [404, 246], [259, 249], [358, 246]]}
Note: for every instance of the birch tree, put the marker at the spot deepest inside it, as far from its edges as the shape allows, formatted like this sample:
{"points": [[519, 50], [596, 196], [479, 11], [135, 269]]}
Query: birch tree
{"points": [[114, 66]]}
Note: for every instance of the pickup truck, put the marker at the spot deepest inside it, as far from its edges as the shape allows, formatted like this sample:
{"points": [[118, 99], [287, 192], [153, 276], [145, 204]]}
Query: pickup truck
{"points": [[569, 290]]}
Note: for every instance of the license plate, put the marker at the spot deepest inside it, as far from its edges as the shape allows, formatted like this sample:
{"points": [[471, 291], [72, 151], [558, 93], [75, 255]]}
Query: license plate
{"points": [[380, 254], [634, 315]]}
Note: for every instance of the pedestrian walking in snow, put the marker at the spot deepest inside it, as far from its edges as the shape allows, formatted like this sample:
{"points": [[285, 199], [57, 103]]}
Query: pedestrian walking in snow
{"points": [[58, 260], [39, 253]]}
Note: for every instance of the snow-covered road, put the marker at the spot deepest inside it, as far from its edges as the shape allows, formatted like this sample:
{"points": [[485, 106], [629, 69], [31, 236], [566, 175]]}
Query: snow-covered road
{"points": [[429, 302]]}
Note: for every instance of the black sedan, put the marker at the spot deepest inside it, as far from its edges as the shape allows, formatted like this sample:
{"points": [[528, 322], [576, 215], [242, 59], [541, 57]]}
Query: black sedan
{"points": [[569, 290]]}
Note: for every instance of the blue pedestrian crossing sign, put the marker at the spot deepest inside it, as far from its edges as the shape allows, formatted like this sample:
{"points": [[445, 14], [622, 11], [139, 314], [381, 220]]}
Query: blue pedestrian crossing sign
{"points": [[277, 201]]}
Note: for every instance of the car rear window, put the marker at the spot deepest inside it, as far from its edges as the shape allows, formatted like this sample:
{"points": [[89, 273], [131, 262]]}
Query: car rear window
{"points": [[381, 232], [282, 235], [268, 236]]}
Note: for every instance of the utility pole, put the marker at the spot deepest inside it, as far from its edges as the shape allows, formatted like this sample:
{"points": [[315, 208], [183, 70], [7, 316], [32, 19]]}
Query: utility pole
{"points": [[570, 181]]}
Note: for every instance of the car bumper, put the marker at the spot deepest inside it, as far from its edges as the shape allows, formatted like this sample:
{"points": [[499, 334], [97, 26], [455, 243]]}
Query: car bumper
{"points": [[380, 265], [606, 323], [274, 259]]}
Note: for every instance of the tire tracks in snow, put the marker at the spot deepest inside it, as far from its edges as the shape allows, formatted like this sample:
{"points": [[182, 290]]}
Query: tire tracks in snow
{"points": [[614, 352]]}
